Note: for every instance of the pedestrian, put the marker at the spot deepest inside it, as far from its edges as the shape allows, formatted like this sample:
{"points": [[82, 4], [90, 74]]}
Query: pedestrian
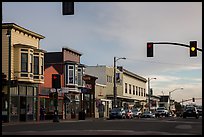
{"points": [[42, 113]]}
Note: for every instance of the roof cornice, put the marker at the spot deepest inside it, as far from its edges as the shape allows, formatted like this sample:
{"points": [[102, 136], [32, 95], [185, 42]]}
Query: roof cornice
{"points": [[15, 26]]}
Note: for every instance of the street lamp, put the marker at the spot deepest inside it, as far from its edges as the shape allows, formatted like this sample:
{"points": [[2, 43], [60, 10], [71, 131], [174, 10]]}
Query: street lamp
{"points": [[8, 34], [149, 92], [114, 81], [170, 97]]}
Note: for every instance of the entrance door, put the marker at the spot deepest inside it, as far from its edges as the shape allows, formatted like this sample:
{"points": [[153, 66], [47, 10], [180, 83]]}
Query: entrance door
{"points": [[22, 108]]}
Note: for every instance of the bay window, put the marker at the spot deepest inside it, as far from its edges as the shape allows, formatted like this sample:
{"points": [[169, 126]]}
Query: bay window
{"points": [[36, 65], [24, 62]]}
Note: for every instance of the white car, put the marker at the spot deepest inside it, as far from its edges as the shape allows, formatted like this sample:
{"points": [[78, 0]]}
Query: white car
{"points": [[161, 111], [136, 112]]}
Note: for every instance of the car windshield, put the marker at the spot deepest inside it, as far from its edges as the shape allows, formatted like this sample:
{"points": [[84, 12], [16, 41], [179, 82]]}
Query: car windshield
{"points": [[160, 108], [135, 110], [147, 112], [190, 108], [115, 109]]}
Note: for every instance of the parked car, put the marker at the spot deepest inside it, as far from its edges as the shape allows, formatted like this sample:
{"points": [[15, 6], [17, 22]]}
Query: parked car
{"points": [[191, 111], [148, 114], [199, 110], [136, 113], [128, 113], [161, 111], [117, 113]]}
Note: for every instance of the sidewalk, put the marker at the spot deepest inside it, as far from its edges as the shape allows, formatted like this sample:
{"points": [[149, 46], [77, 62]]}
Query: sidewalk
{"points": [[50, 121]]}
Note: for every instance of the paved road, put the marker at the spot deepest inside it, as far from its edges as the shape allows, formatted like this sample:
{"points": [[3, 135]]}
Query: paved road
{"points": [[161, 126]]}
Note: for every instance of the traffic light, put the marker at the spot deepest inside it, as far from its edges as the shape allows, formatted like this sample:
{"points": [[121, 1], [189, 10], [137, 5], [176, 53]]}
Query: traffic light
{"points": [[56, 81], [193, 48], [149, 49], [68, 8], [193, 99]]}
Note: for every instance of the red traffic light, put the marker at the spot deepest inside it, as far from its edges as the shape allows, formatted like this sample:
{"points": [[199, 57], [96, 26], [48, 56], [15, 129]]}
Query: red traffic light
{"points": [[56, 81], [149, 49]]}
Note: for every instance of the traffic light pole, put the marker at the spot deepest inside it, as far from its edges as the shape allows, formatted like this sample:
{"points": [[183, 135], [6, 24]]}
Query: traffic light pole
{"points": [[173, 43], [56, 116]]}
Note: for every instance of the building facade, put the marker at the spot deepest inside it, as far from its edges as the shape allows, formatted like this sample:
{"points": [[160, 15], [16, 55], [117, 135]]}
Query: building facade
{"points": [[67, 64], [154, 102], [134, 90], [131, 88], [23, 65], [102, 105]]}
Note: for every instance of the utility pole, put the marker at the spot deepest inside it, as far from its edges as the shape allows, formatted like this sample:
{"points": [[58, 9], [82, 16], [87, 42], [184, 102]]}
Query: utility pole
{"points": [[149, 95], [9, 73], [114, 82]]}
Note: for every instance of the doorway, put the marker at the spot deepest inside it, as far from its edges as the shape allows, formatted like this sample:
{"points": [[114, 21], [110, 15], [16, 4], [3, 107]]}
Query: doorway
{"points": [[22, 108]]}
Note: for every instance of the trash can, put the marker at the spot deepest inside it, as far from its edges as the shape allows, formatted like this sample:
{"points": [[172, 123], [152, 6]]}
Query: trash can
{"points": [[81, 115]]}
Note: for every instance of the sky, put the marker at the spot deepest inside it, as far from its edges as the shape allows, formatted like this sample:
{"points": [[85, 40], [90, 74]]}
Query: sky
{"points": [[104, 30]]}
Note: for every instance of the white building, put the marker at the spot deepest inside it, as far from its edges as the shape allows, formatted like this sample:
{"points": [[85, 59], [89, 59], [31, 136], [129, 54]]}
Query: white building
{"points": [[131, 88]]}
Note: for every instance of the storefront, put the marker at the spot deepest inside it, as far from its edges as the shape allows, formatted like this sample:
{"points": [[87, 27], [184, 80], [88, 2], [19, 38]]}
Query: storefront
{"points": [[88, 96], [71, 105], [47, 103], [23, 103]]}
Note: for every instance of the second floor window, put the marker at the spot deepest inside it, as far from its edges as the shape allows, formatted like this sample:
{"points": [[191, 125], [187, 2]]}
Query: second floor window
{"points": [[141, 91], [125, 87], [42, 64], [24, 62], [36, 65], [144, 92], [80, 76], [31, 63], [133, 90], [130, 89], [136, 90], [70, 75]]}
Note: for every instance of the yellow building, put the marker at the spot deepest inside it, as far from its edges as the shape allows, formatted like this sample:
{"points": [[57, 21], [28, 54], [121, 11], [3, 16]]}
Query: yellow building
{"points": [[23, 65]]}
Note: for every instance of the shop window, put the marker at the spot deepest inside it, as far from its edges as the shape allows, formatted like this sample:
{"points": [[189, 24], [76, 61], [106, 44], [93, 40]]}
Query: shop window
{"points": [[14, 91], [14, 105], [30, 91], [30, 105], [22, 90], [35, 91]]}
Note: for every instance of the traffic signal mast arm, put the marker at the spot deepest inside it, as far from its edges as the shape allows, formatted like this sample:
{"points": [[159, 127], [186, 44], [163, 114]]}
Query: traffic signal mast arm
{"points": [[173, 43], [189, 100]]}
